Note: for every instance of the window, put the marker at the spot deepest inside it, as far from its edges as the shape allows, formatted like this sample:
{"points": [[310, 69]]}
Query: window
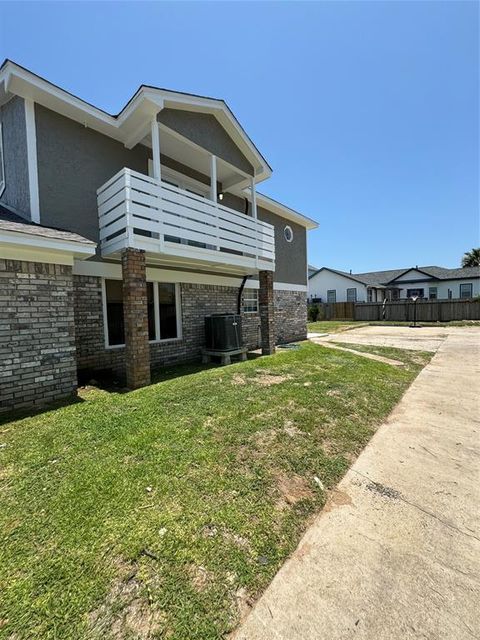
{"points": [[288, 233], [432, 293], [162, 308], [114, 309], [369, 295], [2, 165], [466, 290], [250, 301], [352, 294], [332, 295], [414, 292], [449, 294]]}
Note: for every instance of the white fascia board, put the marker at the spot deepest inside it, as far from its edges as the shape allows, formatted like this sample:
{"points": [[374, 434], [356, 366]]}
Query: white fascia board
{"points": [[26, 240], [26, 84]]}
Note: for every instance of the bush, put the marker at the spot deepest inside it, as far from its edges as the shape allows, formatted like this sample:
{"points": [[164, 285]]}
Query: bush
{"points": [[313, 311]]}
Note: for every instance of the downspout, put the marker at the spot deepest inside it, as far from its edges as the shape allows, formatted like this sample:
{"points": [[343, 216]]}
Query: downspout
{"points": [[240, 291]]}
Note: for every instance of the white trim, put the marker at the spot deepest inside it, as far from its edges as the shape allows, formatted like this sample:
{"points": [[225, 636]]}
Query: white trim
{"points": [[32, 254], [155, 134], [3, 183], [36, 242], [114, 271], [32, 159]]}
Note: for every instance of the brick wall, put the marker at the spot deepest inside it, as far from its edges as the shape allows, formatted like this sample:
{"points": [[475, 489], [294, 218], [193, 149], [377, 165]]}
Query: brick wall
{"points": [[290, 315], [37, 337], [197, 301]]}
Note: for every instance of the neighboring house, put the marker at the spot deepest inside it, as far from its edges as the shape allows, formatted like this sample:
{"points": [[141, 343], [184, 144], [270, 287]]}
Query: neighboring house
{"points": [[119, 234], [311, 270], [331, 285]]}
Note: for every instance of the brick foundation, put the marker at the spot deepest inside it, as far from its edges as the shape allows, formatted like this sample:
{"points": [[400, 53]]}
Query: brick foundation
{"points": [[37, 335], [135, 314]]}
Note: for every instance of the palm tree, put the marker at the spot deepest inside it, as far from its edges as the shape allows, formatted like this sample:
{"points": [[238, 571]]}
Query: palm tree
{"points": [[471, 258]]}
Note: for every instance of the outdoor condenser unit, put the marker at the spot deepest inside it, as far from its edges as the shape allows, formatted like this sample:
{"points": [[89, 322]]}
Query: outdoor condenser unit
{"points": [[223, 332]]}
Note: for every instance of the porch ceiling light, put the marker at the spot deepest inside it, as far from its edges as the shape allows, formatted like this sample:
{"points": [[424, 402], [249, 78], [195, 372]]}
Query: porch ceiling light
{"points": [[220, 196]]}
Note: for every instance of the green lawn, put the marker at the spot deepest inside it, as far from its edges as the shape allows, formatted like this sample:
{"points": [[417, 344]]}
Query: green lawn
{"points": [[164, 512], [333, 326]]}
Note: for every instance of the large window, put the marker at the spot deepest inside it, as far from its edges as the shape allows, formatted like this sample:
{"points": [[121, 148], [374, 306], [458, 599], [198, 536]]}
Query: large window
{"points": [[2, 165], [352, 294], [162, 309], [466, 290], [250, 301], [332, 295], [411, 293]]}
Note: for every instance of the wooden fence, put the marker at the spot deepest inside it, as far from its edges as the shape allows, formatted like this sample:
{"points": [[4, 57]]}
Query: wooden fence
{"points": [[427, 310], [401, 311]]}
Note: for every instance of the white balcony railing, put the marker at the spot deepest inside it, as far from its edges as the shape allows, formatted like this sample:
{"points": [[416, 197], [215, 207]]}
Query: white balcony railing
{"points": [[141, 212]]}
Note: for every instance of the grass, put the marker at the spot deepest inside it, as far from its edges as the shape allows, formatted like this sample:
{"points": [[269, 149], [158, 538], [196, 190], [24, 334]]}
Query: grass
{"points": [[164, 512], [333, 326]]}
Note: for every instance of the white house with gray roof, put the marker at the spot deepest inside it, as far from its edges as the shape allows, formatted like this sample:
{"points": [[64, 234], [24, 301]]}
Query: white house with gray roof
{"points": [[332, 285]]}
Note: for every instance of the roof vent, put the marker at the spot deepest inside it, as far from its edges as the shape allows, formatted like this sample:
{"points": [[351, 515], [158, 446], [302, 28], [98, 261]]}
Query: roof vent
{"points": [[350, 272]]}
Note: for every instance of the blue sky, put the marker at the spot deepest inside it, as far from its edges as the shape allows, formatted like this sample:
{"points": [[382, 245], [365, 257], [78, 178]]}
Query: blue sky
{"points": [[367, 111]]}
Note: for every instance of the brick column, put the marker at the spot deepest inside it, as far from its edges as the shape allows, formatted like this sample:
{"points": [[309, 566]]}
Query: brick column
{"points": [[267, 312], [135, 315]]}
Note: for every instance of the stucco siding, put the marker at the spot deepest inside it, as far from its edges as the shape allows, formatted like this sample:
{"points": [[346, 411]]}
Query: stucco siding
{"points": [[73, 162], [16, 193], [205, 130]]}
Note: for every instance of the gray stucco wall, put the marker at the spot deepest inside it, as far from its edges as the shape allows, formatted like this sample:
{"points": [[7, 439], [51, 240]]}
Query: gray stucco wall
{"points": [[290, 257], [205, 130], [17, 193], [73, 162]]}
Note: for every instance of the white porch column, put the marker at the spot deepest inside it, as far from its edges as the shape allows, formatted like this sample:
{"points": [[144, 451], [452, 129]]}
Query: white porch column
{"points": [[213, 178], [254, 197], [157, 171]]}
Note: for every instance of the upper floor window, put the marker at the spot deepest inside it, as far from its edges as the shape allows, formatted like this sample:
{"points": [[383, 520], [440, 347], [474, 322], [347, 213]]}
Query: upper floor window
{"points": [[250, 301], [332, 295], [466, 290], [2, 165], [432, 293], [352, 294], [163, 310]]}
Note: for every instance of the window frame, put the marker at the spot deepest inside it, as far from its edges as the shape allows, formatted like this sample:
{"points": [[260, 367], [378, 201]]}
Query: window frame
{"points": [[433, 290], [3, 181], [157, 340], [465, 284], [252, 295], [334, 291], [288, 233], [354, 289]]}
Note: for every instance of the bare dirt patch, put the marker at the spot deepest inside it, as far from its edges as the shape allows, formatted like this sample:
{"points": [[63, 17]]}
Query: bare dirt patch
{"points": [[199, 577], [238, 379], [293, 488], [268, 379], [337, 498], [126, 611]]}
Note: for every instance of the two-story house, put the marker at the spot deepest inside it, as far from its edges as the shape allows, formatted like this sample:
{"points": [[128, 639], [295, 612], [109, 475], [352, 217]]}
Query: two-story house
{"points": [[120, 233]]}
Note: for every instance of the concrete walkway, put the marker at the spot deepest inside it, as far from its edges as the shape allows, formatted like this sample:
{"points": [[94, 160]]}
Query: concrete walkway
{"points": [[395, 554]]}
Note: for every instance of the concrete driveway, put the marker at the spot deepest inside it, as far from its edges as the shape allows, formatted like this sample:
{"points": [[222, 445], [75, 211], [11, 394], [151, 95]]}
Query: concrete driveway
{"points": [[395, 554]]}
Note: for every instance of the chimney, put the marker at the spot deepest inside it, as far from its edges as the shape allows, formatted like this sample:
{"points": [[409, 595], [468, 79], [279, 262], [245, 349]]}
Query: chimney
{"points": [[350, 272]]}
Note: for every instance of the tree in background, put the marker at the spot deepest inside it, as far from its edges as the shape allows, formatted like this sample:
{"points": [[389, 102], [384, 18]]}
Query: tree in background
{"points": [[471, 258]]}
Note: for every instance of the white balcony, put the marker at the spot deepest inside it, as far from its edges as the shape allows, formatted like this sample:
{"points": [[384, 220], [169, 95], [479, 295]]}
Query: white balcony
{"points": [[176, 227]]}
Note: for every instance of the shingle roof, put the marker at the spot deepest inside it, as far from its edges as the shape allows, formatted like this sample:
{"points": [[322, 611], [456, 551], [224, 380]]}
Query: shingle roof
{"points": [[10, 221], [382, 278]]}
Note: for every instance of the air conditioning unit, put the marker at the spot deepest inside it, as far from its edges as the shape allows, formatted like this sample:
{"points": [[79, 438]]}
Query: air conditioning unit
{"points": [[223, 332]]}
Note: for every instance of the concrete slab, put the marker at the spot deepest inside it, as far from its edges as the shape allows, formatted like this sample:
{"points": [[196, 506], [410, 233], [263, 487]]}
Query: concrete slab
{"points": [[419, 339], [395, 554]]}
